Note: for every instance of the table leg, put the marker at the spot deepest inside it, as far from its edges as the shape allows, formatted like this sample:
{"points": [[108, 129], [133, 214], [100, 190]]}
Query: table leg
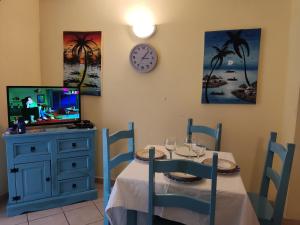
{"points": [[131, 217]]}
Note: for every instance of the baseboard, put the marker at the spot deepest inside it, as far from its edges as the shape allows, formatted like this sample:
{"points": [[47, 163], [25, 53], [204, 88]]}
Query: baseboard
{"points": [[99, 180], [291, 222], [3, 197]]}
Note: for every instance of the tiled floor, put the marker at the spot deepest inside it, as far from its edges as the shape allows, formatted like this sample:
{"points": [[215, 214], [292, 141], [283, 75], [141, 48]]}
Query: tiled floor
{"points": [[84, 213]]}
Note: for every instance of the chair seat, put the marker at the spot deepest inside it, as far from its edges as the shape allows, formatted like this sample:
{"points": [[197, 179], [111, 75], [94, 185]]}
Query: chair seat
{"points": [[161, 221], [262, 207]]}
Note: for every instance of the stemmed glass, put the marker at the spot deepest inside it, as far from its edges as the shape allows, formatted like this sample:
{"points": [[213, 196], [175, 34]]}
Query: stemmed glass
{"points": [[194, 146], [170, 144], [189, 142], [198, 150]]}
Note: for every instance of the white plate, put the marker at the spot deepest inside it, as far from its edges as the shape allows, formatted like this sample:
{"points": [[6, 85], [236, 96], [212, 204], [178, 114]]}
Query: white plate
{"points": [[223, 164], [184, 151]]}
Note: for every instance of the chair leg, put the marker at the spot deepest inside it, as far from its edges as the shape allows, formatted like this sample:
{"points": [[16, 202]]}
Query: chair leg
{"points": [[105, 222], [131, 217]]}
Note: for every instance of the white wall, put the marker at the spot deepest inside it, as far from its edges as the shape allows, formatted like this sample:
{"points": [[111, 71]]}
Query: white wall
{"points": [[19, 58], [160, 102], [291, 116]]}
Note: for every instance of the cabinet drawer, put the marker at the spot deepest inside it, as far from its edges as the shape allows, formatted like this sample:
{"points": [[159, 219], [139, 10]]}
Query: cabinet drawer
{"points": [[72, 167], [74, 185], [30, 148], [73, 144]]}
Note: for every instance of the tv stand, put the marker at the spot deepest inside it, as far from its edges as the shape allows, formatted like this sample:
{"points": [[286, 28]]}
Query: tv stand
{"points": [[49, 168]]}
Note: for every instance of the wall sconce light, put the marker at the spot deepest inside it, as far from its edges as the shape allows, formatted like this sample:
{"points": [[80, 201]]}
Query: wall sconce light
{"points": [[142, 22], [143, 30]]}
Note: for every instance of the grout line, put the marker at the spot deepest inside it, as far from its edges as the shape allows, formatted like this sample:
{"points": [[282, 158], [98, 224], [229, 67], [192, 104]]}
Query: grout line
{"points": [[98, 209], [66, 218], [43, 216], [78, 207], [95, 222]]}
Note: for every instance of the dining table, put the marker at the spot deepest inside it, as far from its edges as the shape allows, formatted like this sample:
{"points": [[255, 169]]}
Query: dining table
{"points": [[130, 194]]}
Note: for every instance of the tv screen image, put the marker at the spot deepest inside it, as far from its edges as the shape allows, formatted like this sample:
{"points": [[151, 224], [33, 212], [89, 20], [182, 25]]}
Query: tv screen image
{"points": [[39, 105]]}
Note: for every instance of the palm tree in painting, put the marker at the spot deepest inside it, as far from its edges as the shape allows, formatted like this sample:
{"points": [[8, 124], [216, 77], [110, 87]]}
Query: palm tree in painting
{"points": [[240, 45], [82, 48], [215, 63]]}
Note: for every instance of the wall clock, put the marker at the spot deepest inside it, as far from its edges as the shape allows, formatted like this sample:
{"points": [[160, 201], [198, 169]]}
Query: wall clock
{"points": [[143, 58]]}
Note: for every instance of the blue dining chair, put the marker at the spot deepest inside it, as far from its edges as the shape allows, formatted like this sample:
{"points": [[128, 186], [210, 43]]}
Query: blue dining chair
{"points": [[178, 200], [109, 164], [215, 133], [268, 213]]}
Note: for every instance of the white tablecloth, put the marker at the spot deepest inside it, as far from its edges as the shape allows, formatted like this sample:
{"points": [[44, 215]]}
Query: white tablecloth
{"points": [[130, 191]]}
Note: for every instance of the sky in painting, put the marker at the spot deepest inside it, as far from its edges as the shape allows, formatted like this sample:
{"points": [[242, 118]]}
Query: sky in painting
{"points": [[218, 38], [69, 36]]}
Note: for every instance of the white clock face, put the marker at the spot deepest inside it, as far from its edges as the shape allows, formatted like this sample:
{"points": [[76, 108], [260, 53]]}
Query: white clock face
{"points": [[143, 58]]}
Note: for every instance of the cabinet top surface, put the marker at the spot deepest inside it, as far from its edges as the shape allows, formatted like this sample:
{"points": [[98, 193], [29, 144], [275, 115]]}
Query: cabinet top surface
{"points": [[47, 131]]}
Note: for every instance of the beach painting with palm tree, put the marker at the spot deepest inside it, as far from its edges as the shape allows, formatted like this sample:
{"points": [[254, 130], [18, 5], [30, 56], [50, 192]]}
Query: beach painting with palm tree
{"points": [[230, 66], [82, 61]]}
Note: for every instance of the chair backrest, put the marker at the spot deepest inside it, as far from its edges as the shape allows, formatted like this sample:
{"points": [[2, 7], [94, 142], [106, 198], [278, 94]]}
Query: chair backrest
{"points": [[178, 200], [280, 180], [109, 164], [215, 133]]}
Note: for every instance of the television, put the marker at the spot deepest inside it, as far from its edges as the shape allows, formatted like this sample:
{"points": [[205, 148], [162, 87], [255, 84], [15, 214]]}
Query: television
{"points": [[41, 105]]}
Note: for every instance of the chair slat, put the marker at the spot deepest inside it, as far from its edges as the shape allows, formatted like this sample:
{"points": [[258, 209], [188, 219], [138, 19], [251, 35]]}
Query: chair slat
{"points": [[171, 200], [215, 133], [279, 150], [120, 135], [184, 166], [203, 129], [274, 176], [114, 162]]}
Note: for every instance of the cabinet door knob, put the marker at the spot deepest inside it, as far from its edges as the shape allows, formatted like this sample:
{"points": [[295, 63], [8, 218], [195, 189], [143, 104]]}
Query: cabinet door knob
{"points": [[32, 149], [74, 164], [74, 185], [48, 179], [73, 145]]}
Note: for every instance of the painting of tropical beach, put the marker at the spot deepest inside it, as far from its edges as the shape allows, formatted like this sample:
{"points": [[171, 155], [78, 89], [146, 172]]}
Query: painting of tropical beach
{"points": [[82, 61], [230, 66]]}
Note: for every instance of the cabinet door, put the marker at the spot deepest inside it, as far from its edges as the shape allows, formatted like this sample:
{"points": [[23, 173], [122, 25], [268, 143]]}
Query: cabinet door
{"points": [[33, 181]]}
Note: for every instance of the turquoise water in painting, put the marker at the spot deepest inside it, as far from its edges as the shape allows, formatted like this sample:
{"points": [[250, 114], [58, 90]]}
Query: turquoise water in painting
{"points": [[228, 97]]}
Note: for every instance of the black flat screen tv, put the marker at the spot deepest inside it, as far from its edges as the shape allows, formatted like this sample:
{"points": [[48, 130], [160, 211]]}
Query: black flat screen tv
{"points": [[41, 105]]}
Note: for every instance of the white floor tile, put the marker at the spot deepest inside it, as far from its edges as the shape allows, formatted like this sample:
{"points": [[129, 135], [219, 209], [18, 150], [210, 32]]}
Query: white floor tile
{"points": [[4, 220], [99, 204], [97, 223], [58, 219], [44, 213], [76, 206], [83, 215]]}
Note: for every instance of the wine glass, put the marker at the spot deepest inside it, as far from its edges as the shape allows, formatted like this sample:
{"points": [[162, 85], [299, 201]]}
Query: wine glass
{"points": [[198, 148], [170, 144], [189, 142]]}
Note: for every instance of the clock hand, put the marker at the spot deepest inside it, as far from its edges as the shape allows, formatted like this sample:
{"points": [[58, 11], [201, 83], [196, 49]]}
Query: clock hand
{"points": [[144, 57]]}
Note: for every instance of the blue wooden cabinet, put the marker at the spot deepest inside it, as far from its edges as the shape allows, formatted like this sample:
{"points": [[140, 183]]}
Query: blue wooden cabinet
{"points": [[50, 168]]}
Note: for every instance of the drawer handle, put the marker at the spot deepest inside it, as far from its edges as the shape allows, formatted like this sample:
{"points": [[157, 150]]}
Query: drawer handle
{"points": [[48, 179], [32, 149], [74, 145], [74, 186], [74, 164]]}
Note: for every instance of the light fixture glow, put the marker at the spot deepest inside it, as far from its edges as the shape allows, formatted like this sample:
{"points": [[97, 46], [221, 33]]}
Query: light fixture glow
{"points": [[141, 20], [143, 30]]}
